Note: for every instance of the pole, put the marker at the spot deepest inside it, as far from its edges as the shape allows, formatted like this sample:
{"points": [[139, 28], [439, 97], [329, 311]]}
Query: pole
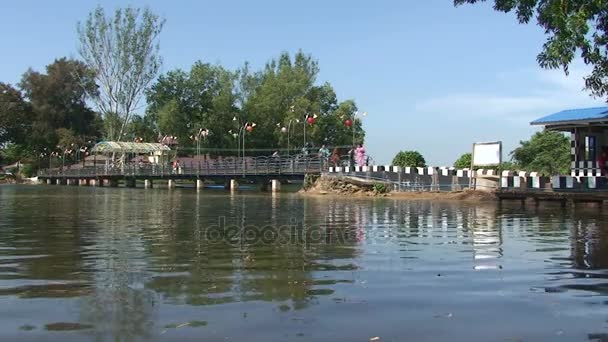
{"points": [[288, 134]]}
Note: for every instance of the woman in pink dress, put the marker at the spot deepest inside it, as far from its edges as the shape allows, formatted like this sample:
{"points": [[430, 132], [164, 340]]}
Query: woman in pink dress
{"points": [[360, 155]]}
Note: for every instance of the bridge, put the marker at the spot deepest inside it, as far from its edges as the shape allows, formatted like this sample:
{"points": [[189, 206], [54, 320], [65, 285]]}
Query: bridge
{"points": [[272, 170]]}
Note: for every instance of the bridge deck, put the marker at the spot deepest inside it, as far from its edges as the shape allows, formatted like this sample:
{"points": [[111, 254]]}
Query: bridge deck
{"points": [[279, 167]]}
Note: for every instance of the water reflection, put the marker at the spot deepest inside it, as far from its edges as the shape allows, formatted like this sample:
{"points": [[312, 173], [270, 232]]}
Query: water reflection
{"points": [[132, 265]]}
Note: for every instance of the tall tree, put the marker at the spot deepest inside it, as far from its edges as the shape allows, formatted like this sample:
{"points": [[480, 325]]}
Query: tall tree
{"points": [[572, 26], [15, 115], [58, 100], [123, 51]]}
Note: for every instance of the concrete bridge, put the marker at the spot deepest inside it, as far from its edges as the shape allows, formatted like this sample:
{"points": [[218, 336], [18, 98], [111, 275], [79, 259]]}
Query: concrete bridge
{"points": [[267, 171]]}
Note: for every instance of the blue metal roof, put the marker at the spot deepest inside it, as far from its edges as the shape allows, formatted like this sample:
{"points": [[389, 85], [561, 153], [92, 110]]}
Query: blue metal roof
{"points": [[582, 114]]}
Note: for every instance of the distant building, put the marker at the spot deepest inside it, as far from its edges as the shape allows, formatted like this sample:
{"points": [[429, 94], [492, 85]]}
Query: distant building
{"points": [[588, 128]]}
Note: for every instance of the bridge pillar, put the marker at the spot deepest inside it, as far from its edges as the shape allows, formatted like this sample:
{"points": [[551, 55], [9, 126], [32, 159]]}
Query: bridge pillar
{"points": [[93, 182], [234, 185], [130, 182], [199, 184], [49, 181], [171, 184], [83, 182], [148, 184], [276, 185]]}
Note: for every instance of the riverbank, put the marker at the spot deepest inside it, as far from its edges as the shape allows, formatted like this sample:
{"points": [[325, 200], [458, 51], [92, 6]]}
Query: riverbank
{"points": [[340, 187]]}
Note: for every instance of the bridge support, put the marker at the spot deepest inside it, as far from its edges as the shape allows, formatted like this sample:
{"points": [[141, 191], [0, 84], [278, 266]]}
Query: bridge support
{"points": [[199, 184], [276, 185], [171, 184], [83, 182], [148, 184], [234, 185], [49, 181], [93, 182], [130, 182]]}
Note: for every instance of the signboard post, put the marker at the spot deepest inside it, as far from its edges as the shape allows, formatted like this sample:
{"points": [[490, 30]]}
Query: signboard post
{"points": [[485, 154]]}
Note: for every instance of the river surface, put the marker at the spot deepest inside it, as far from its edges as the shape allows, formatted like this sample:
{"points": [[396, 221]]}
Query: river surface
{"points": [[115, 264]]}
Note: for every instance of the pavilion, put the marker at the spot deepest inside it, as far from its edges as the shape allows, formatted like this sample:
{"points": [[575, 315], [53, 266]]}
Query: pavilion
{"points": [[156, 153], [588, 128]]}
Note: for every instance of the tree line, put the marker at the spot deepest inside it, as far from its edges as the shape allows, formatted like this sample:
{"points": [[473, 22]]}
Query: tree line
{"points": [[74, 103]]}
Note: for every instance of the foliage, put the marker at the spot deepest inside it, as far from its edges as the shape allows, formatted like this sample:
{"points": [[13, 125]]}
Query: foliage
{"points": [[380, 188], [14, 113], [463, 162], [547, 152], [27, 170], [281, 95], [409, 159], [58, 101], [13, 153], [123, 52], [572, 26]]}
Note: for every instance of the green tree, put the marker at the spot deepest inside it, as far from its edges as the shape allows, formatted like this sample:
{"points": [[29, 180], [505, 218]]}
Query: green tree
{"points": [[547, 152], [572, 26], [123, 51], [182, 103], [409, 159], [58, 101], [15, 116], [463, 162]]}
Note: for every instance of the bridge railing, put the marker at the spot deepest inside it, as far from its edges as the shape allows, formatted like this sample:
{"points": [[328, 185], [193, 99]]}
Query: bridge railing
{"points": [[255, 166]]}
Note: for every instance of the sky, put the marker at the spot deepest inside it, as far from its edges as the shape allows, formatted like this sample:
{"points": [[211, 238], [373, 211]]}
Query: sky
{"points": [[432, 77]]}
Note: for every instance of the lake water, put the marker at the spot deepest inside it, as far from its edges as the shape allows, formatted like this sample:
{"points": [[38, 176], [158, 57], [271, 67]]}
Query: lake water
{"points": [[108, 264]]}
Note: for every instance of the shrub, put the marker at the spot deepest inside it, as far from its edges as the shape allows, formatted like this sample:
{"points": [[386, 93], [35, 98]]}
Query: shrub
{"points": [[380, 188], [27, 170]]}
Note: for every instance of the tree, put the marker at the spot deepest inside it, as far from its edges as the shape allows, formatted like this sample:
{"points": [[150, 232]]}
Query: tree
{"points": [[123, 51], [572, 26], [463, 162], [15, 115], [409, 159], [547, 152], [58, 100]]}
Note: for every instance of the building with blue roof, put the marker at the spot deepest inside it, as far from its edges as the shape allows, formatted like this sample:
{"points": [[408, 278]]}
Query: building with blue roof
{"points": [[588, 128]]}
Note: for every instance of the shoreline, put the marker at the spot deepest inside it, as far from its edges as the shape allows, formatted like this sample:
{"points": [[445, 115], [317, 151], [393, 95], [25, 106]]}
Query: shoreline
{"points": [[459, 196]]}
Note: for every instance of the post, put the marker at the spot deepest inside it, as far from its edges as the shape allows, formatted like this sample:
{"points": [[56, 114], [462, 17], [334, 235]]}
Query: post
{"points": [[199, 184], [276, 185], [171, 184], [234, 185], [148, 184]]}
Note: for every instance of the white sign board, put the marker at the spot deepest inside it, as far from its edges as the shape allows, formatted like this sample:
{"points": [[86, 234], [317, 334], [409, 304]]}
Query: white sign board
{"points": [[487, 153]]}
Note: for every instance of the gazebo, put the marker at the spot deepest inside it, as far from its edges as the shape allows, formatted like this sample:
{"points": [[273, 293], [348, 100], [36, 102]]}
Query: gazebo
{"points": [[155, 152]]}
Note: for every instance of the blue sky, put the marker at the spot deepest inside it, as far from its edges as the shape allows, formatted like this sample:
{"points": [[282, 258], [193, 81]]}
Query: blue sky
{"points": [[432, 77]]}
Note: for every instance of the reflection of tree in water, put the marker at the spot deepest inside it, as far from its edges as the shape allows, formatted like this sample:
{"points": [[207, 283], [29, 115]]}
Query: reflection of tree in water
{"points": [[120, 308], [274, 258], [55, 243]]}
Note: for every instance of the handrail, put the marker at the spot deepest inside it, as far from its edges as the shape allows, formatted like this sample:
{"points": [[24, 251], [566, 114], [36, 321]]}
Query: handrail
{"points": [[254, 166]]}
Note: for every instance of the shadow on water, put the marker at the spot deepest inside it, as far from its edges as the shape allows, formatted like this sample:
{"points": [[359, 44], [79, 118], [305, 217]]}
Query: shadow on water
{"points": [[124, 264]]}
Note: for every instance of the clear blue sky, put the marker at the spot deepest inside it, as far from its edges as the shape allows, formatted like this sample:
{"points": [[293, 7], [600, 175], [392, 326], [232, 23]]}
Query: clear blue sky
{"points": [[433, 78]]}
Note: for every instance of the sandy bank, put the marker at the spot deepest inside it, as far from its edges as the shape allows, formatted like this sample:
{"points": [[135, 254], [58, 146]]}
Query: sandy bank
{"points": [[338, 187]]}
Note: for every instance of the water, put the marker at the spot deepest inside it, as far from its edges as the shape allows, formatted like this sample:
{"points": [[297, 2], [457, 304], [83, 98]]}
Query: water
{"points": [[108, 264]]}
